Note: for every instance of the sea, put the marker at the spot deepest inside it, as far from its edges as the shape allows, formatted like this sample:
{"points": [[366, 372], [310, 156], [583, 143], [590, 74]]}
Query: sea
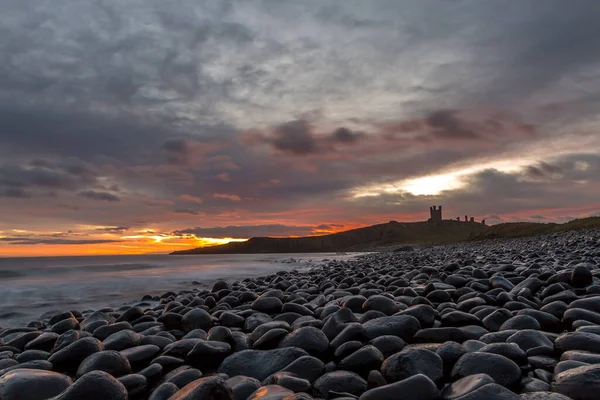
{"points": [[33, 286]]}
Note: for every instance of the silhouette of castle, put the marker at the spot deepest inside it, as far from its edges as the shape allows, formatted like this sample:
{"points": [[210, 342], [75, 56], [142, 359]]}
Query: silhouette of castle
{"points": [[436, 215]]}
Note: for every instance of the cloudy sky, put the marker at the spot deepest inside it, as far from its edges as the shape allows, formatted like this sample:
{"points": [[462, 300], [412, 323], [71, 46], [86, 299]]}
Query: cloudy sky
{"points": [[150, 125]]}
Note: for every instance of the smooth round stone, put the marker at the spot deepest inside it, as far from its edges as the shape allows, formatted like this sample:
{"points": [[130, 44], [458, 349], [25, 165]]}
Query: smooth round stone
{"points": [[152, 372], [490, 391], [529, 339], [382, 304], [375, 379], [354, 303], [289, 381], [32, 355], [566, 365], [341, 382], [268, 305], [504, 371], [32, 384], [308, 338], [450, 352], [109, 361], [259, 364], [404, 326], [95, 385], [270, 339], [231, 320], [508, 350], [494, 321], [410, 362], [255, 320], [182, 377], [578, 341], [521, 322], [264, 328], [181, 347], [295, 308], [583, 356], [105, 331], [388, 344], [65, 325], [424, 313], [164, 392], [36, 364], [44, 342], [459, 318], [159, 341], [59, 317], [465, 385], [529, 385], [71, 356], [352, 331], [306, 367], [271, 392], [473, 345], [417, 387], [141, 354], [347, 348], [122, 340], [168, 363], [242, 386], [212, 387], [581, 277], [196, 319], [363, 360], [581, 383], [208, 354], [135, 384], [544, 396]]}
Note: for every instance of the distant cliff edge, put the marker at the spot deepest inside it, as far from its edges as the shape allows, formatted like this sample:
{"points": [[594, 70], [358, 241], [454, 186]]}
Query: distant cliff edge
{"points": [[395, 233]]}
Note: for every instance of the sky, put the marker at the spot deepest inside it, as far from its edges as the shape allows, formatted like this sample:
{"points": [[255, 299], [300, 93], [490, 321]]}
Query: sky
{"points": [[148, 126]]}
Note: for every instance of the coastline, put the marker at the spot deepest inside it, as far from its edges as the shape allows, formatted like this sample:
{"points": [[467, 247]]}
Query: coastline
{"points": [[348, 326]]}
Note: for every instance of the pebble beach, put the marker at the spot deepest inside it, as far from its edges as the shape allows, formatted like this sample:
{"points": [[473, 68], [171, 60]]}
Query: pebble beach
{"points": [[503, 319]]}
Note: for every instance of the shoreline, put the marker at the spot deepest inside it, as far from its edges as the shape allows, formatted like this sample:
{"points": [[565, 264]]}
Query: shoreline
{"points": [[518, 311]]}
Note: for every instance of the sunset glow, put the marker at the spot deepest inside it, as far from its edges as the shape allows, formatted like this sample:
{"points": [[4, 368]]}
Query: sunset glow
{"points": [[125, 130]]}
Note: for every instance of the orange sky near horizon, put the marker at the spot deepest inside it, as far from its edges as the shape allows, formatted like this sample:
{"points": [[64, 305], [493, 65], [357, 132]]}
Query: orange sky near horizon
{"points": [[151, 242]]}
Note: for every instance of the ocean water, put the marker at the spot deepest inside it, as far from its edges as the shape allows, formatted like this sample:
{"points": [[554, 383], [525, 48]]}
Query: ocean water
{"points": [[30, 287]]}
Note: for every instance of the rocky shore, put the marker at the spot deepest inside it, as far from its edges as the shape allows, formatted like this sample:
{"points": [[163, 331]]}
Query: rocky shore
{"points": [[507, 320]]}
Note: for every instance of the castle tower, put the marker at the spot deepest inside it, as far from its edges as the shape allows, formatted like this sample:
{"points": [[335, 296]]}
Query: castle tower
{"points": [[436, 213]]}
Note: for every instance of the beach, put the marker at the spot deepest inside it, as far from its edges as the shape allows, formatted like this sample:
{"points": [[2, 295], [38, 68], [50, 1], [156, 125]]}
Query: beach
{"points": [[499, 319]]}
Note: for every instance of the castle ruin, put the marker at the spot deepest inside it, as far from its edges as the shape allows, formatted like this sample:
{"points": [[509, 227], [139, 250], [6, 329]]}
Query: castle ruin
{"points": [[436, 216]]}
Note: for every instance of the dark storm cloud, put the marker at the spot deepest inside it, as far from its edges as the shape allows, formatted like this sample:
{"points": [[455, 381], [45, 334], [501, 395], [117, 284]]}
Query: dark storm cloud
{"points": [[446, 124], [542, 170], [248, 231], [294, 137], [101, 196], [345, 135], [66, 174], [545, 44]]}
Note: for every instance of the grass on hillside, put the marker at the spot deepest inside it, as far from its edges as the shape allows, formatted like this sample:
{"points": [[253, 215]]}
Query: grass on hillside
{"points": [[522, 229]]}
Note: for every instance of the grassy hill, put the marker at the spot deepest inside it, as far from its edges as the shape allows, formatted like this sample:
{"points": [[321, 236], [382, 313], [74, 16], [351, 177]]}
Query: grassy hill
{"points": [[394, 233], [360, 239], [522, 229]]}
